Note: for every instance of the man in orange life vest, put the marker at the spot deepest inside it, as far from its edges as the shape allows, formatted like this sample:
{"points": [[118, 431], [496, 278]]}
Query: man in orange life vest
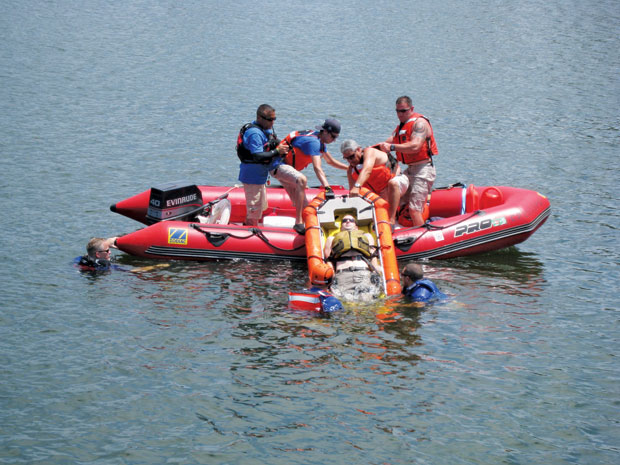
{"points": [[414, 143], [306, 147], [372, 169]]}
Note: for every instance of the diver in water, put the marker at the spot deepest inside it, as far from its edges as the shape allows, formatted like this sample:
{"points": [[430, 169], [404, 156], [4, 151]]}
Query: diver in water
{"points": [[98, 256], [416, 288], [357, 277]]}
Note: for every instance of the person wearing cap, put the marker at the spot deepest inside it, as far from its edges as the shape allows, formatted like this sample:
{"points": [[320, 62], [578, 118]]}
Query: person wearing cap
{"points": [[416, 288], [413, 141], [351, 253], [98, 254], [257, 149], [306, 147], [375, 170]]}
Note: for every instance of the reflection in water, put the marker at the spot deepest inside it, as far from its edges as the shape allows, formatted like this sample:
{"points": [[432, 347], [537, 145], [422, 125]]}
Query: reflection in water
{"points": [[508, 264], [508, 273], [275, 373]]}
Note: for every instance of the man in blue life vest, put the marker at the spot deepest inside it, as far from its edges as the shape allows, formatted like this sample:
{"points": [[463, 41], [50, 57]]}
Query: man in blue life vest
{"points": [[98, 256], [416, 288], [258, 150]]}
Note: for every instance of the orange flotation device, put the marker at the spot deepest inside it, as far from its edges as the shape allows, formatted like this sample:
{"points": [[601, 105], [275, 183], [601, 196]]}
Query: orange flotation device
{"points": [[404, 216], [320, 271]]}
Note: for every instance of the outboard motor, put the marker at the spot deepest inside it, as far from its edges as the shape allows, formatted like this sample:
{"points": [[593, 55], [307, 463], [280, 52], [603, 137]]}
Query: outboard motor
{"points": [[174, 201]]}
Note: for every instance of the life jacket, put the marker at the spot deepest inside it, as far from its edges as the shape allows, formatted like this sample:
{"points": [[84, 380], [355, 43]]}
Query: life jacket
{"points": [[402, 134], [350, 240], [245, 155], [87, 263], [295, 156], [403, 215], [423, 290], [378, 179]]}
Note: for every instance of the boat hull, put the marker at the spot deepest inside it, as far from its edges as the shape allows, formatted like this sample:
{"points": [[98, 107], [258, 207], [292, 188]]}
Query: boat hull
{"points": [[472, 220], [181, 240]]}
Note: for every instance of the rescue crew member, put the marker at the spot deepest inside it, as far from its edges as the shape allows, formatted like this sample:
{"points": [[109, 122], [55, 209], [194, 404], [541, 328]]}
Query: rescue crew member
{"points": [[375, 170], [257, 149], [416, 288], [351, 253], [414, 143], [306, 147], [98, 256]]}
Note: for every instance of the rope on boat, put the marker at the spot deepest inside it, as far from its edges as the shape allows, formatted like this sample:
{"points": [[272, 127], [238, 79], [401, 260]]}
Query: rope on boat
{"points": [[260, 235], [218, 238], [405, 243]]}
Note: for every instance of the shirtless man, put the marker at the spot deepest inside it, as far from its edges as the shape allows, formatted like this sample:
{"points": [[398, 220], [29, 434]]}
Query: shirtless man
{"points": [[372, 169]]}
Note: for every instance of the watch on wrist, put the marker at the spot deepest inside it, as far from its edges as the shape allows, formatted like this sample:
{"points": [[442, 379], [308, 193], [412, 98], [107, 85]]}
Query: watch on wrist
{"points": [[392, 148], [357, 184]]}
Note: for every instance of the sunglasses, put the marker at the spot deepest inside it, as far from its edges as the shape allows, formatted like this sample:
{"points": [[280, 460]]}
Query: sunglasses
{"points": [[268, 119], [335, 136], [350, 157], [104, 251], [348, 220], [403, 110]]}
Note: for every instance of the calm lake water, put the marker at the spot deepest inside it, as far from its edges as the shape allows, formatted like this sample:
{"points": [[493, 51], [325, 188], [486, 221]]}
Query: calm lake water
{"points": [[202, 362]]}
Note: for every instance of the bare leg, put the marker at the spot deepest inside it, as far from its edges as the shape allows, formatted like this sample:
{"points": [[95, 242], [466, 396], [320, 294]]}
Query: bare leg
{"points": [[393, 200], [416, 217], [300, 196]]}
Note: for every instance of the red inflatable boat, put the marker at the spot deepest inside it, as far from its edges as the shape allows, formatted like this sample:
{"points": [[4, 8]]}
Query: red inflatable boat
{"points": [[204, 222]]}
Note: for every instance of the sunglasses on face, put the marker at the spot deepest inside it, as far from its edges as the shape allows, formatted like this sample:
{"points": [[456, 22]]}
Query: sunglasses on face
{"points": [[405, 110], [349, 157], [268, 119], [105, 251], [348, 220]]}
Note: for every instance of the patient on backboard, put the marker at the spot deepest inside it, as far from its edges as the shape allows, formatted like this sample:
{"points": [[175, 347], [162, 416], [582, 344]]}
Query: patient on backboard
{"points": [[351, 253]]}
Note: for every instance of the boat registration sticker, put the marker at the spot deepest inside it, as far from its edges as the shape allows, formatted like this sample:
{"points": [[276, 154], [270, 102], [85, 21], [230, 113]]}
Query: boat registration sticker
{"points": [[177, 236], [438, 235]]}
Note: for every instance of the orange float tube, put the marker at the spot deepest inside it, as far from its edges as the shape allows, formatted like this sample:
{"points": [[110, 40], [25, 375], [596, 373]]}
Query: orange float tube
{"points": [[384, 238], [321, 274]]}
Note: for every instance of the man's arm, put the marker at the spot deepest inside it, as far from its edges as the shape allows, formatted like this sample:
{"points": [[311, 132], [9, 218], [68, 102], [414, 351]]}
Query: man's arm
{"points": [[327, 250], [418, 138], [370, 159], [350, 177], [318, 170], [333, 162], [254, 143]]}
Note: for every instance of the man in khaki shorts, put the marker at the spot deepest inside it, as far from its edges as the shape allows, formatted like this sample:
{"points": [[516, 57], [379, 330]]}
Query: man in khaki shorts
{"points": [[414, 143], [256, 149], [305, 148]]}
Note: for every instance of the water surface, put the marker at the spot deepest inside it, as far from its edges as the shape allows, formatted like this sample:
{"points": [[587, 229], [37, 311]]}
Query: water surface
{"points": [[202, 362]]}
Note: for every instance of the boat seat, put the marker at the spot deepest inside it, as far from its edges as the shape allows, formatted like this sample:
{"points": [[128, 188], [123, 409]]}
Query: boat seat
{"points": [[491, 197], [472, 199]]}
